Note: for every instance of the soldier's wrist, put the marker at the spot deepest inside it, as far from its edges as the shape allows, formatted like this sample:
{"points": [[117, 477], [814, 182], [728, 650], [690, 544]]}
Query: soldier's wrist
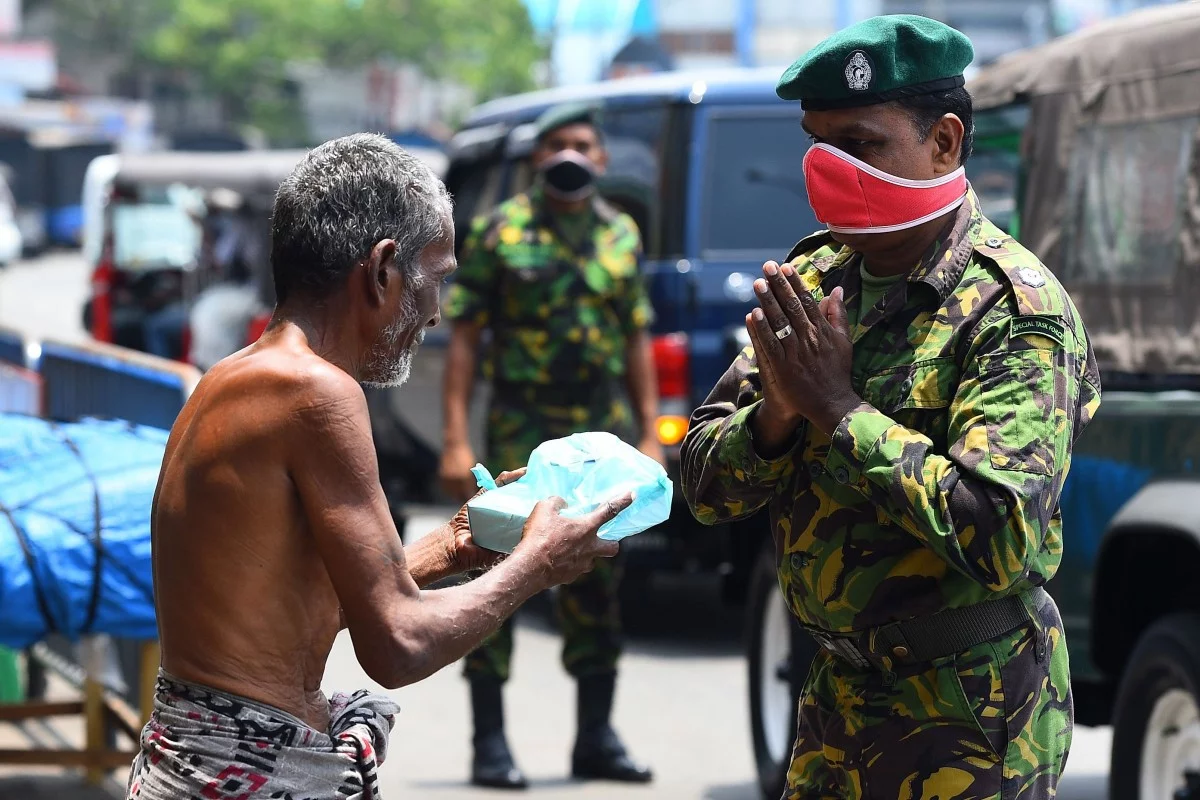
{"points": [[772, 432], [835, 410]]}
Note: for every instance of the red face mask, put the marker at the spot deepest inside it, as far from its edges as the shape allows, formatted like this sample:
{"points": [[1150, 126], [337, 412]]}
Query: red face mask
{"points": [[851, 196]]}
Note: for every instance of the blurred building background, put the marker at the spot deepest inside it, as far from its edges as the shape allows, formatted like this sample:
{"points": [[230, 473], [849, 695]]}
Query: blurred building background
{"points": [[586, 36], [230, 74]]}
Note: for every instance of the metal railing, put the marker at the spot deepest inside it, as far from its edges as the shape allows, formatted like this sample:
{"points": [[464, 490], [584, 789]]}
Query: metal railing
{"points": [[101, 380]]}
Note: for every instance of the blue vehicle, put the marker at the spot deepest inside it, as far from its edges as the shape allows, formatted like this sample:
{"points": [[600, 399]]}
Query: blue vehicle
{"points": [[66, 164], [48, 171]]}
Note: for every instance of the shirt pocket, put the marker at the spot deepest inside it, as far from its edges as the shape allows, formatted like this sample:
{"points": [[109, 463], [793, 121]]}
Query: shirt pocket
{"points": [[923, 386], [1024, 423], [535, 286]]}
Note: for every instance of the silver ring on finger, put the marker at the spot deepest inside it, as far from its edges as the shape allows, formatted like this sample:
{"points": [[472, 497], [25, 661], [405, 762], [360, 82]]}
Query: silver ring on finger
{"points": [[783, 332]]}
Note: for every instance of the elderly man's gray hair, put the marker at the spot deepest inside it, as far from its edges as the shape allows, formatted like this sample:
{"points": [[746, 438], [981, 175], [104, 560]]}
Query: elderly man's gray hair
{"points": [[343, 198]]}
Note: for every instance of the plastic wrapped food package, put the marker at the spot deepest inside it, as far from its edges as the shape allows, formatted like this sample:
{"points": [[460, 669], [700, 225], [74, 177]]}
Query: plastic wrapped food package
{"points": [[586, 470]]}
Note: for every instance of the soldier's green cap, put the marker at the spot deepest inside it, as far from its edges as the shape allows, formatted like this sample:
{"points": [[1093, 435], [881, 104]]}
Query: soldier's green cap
{"points": [[560, 116], [876, 61]]}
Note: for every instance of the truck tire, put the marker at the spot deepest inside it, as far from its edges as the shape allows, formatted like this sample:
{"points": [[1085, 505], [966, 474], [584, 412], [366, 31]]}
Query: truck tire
{"points": [[779, 656], [1156, 723]]}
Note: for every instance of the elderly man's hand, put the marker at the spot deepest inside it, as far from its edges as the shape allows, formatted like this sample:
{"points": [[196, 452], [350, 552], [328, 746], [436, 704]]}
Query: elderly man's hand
{"points": [[462, 552]]}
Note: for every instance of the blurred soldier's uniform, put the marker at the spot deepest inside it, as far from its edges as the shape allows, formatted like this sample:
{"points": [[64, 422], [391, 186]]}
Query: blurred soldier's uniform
{"points": [[562, 295], [913, 544]]}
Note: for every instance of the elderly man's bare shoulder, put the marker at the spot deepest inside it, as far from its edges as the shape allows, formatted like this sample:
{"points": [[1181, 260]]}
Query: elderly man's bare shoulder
{"points": [[274, 398], [293, 378]]}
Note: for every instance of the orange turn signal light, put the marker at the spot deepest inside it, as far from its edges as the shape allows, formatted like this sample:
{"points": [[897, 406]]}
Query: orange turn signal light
{"points": [[671, 430]]}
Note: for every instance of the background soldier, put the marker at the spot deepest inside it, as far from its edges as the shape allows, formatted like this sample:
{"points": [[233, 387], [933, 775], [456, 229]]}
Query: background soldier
{"points": [[906, 410], [554, 274]]}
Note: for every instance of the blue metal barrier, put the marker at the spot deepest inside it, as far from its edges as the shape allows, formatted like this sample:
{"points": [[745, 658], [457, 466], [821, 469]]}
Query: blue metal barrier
{"points": [[100, 380]]}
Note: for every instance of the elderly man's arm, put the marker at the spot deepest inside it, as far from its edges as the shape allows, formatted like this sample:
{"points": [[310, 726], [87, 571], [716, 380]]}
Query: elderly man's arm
{"points": [[449, 549], [402, 634]]}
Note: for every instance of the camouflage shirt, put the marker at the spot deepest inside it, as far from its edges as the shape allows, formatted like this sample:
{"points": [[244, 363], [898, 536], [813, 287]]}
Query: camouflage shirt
{"points": [[558, 314], [941, 488]]}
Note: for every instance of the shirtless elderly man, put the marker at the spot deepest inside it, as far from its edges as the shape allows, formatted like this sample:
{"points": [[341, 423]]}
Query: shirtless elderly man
{"points": [[270, 529]]}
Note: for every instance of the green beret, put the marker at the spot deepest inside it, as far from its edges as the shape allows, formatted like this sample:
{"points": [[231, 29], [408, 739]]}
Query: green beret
{"points": [[878, 60], [560, 116]]}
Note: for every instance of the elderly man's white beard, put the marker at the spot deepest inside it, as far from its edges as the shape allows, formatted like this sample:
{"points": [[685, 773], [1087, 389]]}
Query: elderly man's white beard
{"points": [[387, 371]]}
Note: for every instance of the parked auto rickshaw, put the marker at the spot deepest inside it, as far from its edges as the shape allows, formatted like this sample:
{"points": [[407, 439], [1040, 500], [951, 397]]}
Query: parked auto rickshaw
{"points": [[153, 260]]}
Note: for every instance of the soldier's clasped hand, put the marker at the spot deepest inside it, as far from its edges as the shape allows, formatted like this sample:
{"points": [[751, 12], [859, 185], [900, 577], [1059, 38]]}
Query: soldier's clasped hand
{"points": [[803, 351]]}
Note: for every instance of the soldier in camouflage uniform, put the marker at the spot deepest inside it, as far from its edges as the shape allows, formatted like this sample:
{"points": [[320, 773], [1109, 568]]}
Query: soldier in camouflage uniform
{"points": [[554, 274], [906, 412]]}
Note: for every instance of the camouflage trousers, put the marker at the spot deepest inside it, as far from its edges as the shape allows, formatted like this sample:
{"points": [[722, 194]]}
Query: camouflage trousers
{"points": [[992, 723], [587, 610]]}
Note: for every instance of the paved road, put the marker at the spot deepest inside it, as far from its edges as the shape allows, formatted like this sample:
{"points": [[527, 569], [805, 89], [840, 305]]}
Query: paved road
{"points": [[681, 703], [44, 298]]}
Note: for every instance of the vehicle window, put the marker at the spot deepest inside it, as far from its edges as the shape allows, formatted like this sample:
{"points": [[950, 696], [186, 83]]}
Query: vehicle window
{"points": [[635, 138], [66, 167], [755, 198], [1125, 201], [150, 236], [475, 187], [994, 168], [7, 204], [521, 177], [993, 174]]}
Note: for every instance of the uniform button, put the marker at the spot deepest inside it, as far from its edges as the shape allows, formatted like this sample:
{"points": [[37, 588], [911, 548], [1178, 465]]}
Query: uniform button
{"points": [[798, 561], [907, 386], [815, 469], [842, 475], [900, 651], [993, 242]]}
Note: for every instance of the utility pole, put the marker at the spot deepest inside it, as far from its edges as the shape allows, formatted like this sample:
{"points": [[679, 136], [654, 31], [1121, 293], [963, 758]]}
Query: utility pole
{"points": [[844, 14], [743, 32]]}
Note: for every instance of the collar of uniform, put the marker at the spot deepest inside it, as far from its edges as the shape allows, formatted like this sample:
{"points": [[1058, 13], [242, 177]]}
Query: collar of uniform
{"points": [[603, 210], [944, 261], [821, 251]]}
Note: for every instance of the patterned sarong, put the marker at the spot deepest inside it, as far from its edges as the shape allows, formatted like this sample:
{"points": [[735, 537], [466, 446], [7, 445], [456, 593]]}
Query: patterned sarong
{"points": [[203, 743]]}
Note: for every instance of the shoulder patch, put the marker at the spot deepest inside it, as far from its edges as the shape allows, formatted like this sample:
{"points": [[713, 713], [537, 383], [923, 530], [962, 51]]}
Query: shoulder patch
{"points": [[1048, 327], [1036, 292]]}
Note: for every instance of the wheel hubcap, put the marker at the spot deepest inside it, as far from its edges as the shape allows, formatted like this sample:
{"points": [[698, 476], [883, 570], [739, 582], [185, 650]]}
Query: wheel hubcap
{"points": [[774, 677], [1171, 750]]}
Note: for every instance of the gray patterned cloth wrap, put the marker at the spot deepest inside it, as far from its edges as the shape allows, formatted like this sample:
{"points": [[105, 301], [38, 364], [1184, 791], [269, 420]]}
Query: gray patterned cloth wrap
{"points": [[203, 743]]}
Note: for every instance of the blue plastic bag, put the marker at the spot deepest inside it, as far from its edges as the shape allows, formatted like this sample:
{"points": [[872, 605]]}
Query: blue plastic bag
{"points": [[586, 470]]}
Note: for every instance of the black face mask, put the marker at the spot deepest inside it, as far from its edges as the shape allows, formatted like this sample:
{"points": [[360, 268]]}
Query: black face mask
{"points": [[569, 175]]}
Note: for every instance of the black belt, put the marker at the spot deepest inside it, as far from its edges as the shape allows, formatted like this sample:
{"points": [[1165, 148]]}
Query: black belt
{"points": [[933, 636]]}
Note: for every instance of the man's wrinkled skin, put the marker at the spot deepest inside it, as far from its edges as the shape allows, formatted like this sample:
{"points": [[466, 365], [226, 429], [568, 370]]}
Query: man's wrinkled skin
{"points": [[910, 464], [271, 530]]}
